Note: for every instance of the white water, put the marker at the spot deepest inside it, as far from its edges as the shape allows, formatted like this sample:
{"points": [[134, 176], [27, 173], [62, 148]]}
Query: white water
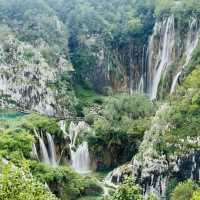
{"points": [[173, 87], [113, 177], [141, 85], [80, 157], [44, 152], [191, 44], [165, 54], [62, 126], [34, 152], [51, 146]]}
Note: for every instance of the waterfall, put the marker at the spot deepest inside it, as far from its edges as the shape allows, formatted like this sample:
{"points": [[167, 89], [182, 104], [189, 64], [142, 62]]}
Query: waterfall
{"points": [[173, 87], [51, 146], [80, 157], [48, 158], [191, 44], [34, 153], [113, 177], [62, 126], [43, 151], [165, 53], [141, 85]]}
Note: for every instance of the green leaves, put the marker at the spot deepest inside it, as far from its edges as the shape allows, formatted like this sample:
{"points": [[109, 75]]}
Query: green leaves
{"points": [[20, 185]]}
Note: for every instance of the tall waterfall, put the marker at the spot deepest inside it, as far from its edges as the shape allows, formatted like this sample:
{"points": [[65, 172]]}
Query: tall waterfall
{"points": [[47, 153], [164, 56], [43, 151], [191, 44], [52, 151], [80, 157]]}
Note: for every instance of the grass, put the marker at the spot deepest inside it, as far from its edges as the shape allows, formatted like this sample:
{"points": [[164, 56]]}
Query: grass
{"points": [[88, 97]]}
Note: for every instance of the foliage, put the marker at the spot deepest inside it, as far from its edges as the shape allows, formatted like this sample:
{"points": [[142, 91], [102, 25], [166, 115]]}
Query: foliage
{"points": [[18, 184], [196, 195], [127, 191], [120, 127], [170, 187], [15, 142], [64, 182], [183, 191]]}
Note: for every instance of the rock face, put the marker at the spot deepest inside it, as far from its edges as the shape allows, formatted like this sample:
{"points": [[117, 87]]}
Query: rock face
{"points": [[26, 77], [169, 52], [148, 64], [152, 170]]}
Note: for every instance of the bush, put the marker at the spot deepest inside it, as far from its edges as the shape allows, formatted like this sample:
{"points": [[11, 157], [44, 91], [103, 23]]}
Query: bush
{"points": [[127, 191], [20, 185], [196, 195], [183, 191]]}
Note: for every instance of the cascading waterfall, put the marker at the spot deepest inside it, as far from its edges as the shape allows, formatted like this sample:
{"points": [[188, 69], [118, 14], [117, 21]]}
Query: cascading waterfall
{"points": [[80, 157], [141, 84], [174, 83], [47, 157], [44, 152], [165, 53], [113, 177], [191, 44], [34, 153], [51, 146]]}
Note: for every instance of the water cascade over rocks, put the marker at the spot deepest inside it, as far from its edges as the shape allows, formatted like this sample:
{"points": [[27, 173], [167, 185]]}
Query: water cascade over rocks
{"points": [[80, 158], [47, 153], [159, 65], [152, 170], [191, 44]]}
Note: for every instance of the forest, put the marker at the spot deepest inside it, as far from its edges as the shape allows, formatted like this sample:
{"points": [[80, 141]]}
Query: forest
{"points": [[100, 100]]}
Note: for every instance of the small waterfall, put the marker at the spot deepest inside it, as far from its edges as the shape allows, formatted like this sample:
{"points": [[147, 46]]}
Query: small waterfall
{"points": [[34, 153], [51, 146], [165, 53], [62, 126], [80, 157], [191, 44], [141, 85], [113, 178], [43, 151], [173, 87]]}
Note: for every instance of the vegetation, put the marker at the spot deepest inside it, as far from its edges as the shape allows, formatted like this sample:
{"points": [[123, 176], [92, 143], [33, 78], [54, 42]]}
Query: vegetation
{"points": [[119, 128], [127, 191], [18, 184], [77, 57]]}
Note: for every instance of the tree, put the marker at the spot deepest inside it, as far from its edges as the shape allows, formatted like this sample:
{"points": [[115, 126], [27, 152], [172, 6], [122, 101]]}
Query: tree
{"points": [[18, 184], [183, 191], [127, 191]]}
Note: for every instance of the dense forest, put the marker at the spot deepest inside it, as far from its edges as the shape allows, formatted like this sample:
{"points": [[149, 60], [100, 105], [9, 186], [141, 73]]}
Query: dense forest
{"points": [[99, 100]]}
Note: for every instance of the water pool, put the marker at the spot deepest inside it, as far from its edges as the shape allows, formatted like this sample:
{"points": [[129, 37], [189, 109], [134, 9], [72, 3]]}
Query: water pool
{"points": [[10, 114]]}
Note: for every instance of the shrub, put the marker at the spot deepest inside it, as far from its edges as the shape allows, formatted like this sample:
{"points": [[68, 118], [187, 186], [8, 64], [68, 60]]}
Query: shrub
{"points": [[127, 191], [20, 185], [183, 191]]}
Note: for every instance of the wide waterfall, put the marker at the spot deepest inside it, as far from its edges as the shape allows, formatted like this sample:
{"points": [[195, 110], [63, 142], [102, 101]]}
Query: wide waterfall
{"points": [[191, 44], [80, 157], [164, 56]]}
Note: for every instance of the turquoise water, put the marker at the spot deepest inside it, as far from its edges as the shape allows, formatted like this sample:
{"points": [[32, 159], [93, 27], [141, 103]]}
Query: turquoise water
{"points": [[10, 115]]}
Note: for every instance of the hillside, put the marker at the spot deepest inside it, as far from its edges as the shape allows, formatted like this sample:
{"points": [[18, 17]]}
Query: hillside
{"points": [[99, 100]]}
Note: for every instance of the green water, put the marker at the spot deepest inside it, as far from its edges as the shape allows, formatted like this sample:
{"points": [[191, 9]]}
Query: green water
{"points": [[10, 115]]}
